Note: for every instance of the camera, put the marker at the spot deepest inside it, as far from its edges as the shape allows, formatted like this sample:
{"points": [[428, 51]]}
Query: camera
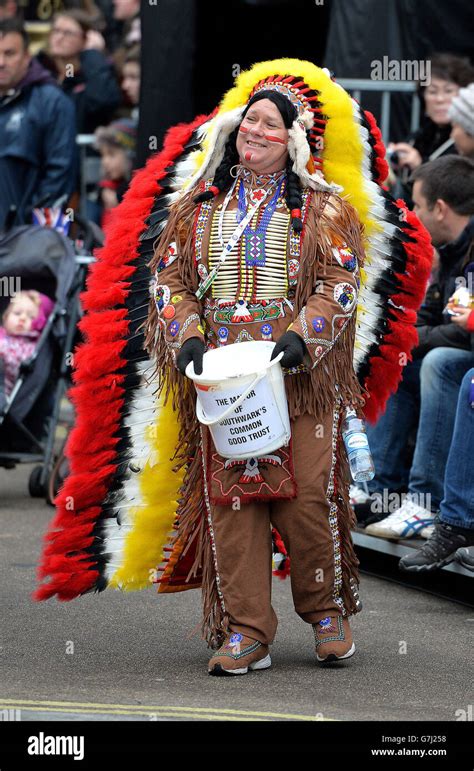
{"points": [[393, 157]]}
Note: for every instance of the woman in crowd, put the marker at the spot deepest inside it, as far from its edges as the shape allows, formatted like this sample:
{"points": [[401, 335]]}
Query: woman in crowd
{"points": [[83, 71]]}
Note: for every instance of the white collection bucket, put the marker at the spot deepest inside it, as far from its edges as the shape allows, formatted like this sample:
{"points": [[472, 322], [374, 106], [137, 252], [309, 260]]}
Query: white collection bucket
{"points": [[241, 397]]}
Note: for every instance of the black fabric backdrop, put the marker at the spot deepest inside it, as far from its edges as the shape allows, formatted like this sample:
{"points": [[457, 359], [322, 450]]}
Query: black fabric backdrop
{"points": [[191, 48], [166, 88]]}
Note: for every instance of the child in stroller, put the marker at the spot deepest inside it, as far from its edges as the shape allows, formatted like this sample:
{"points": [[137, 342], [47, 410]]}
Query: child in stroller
{"points": [[23, 321], [47, 265]]}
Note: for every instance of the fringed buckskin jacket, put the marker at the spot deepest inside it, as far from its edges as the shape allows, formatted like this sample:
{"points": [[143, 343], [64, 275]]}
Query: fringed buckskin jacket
{"points": [[313, 291]]}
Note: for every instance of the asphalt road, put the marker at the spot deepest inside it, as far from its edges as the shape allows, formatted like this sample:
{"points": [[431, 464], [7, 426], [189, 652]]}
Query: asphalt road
{"points": [[133, 657]]}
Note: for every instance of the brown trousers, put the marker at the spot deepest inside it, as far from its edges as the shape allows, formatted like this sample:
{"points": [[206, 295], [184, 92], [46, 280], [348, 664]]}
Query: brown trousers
{"points": [[310, 528]]}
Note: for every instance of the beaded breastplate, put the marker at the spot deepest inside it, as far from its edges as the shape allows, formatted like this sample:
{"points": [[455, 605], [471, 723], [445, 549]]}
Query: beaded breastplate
{"points": [[278, 277], [238, 277]]}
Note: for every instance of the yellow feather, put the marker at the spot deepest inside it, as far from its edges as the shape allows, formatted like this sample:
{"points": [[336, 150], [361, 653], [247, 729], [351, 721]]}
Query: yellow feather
{"points": [[342, 151], [152, 522]]}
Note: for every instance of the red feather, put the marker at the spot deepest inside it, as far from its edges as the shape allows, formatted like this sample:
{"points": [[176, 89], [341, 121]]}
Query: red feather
{"points": [[284, 571], [97, 393], [381, 165], [386, 368]]}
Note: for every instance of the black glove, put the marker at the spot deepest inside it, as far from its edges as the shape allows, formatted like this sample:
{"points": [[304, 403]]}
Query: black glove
{"points": [[294, 349], [192, 350]]}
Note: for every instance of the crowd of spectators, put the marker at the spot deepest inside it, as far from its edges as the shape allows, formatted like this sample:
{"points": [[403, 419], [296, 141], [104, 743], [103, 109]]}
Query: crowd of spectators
{"points": [[83, 81], [435, 137], [423, 444]]}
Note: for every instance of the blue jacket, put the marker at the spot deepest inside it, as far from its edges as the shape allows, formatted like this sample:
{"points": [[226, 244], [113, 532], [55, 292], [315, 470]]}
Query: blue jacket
{"points": [[37, 145]]}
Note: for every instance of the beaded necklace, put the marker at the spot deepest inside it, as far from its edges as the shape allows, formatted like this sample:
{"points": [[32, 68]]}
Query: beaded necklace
{"points": [[254, 238]]}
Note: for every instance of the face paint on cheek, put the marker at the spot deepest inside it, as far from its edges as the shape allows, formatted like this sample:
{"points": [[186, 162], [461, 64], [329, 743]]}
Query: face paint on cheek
{"points": [[271, 138], [248, 154]]}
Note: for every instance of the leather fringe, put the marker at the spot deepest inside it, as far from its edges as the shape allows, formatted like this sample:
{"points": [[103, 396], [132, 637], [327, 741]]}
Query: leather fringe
{"points": [[306, 392], [330, 220], [346, 521]]}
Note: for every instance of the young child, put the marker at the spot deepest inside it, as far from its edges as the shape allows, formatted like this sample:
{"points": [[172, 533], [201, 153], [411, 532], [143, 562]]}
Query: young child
{"points": [[23, 321], [131, 79], [116, 144]]}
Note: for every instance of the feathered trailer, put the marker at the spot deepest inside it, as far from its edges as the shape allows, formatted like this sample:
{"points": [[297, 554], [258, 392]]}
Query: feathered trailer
{"points": [[115, 523]]}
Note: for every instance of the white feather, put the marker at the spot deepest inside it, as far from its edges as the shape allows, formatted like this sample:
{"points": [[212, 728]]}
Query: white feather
{"points": [[142, 408], [370, 305], [300, 153], [217, 132]]}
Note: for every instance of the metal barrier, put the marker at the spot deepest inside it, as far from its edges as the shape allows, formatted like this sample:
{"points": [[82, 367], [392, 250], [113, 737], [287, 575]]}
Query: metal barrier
{"points": [[84, 141], [386, 88]]}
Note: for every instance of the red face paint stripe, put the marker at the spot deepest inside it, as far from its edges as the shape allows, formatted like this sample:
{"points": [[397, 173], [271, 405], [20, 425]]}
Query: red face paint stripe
{"points": [[268, 137], [271, 138]]}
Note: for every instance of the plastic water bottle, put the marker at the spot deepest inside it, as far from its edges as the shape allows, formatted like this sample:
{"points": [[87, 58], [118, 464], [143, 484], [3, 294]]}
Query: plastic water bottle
{"points": [[357, 447]]}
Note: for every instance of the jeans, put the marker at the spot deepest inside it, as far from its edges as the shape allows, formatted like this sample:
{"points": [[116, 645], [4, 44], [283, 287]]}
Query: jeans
{"points": [[457, 506], [387, 438], [427, 398]]}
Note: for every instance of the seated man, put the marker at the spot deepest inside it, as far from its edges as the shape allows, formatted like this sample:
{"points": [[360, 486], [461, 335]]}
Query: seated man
{"points": [[455, 529], [443, 193]]}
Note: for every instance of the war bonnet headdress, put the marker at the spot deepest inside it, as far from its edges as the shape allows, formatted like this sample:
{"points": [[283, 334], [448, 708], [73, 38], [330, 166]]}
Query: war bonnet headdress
{"points": [[305, 135]]}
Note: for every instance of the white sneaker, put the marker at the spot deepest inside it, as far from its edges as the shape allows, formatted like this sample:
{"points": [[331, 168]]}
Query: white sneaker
{"points": [[408, 520], [357, 495], [427, 532]]}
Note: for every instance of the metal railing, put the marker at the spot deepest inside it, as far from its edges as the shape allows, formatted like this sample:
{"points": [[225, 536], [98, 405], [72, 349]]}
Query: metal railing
{"points": [[83, 141], [356, 86]]}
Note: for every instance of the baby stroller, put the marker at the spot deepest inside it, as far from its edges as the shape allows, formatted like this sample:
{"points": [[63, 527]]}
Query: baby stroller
{"points": [[41, 258]]}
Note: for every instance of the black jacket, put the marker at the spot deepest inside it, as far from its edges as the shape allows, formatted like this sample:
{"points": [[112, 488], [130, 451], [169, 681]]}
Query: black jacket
{"points": [[93, 89], [456, 268], [430, 136], [37, 138]]}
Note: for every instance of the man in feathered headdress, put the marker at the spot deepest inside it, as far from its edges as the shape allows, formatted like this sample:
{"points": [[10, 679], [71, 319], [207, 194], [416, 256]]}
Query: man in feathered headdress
{"points": [[284, 180], [292, 276]]}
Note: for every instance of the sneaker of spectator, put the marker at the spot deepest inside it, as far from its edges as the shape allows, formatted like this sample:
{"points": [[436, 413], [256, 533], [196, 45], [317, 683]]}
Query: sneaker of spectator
{"points": [[357, 495], [411, 519], [465, 557], [364, 505], [116, 144], [376, 506], [439, 550], [461, 114]]}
